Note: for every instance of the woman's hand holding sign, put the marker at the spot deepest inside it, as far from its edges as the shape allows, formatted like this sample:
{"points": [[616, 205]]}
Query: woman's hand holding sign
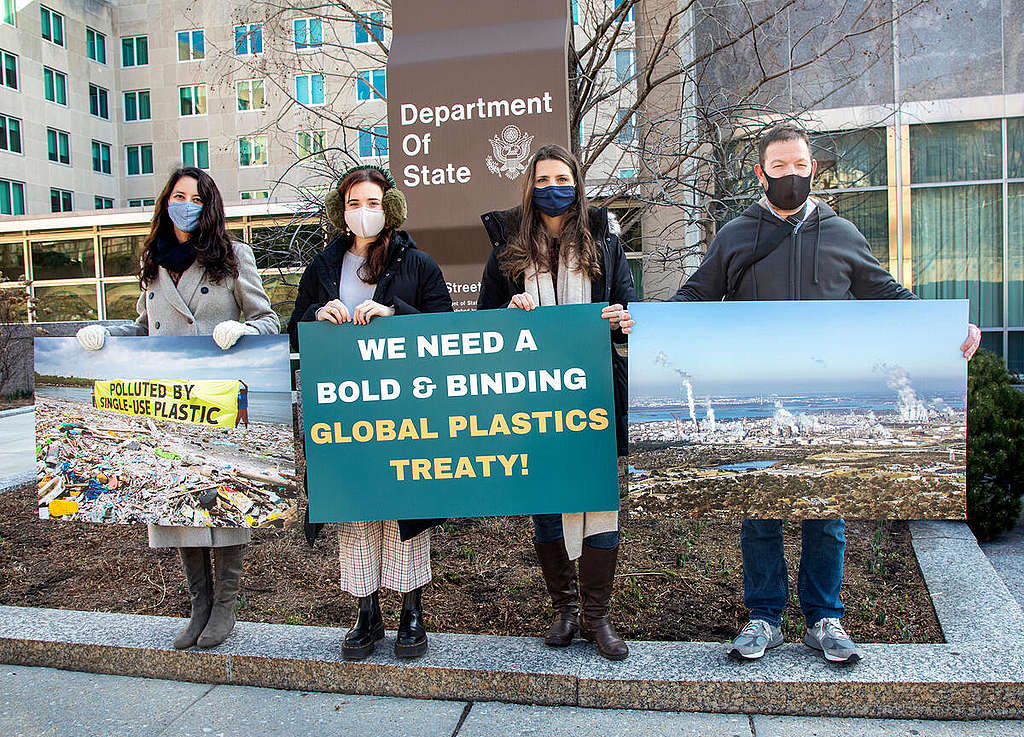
{"points": [[522, 301], [334, 311], [618, 318], [366, 311]]}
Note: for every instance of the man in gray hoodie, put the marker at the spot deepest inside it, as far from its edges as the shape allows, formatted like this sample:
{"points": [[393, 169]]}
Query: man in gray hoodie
{"points": [[786, 247]]}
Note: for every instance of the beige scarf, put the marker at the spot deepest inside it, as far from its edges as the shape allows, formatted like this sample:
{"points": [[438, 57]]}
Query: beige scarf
{"points": [[573, 288]]}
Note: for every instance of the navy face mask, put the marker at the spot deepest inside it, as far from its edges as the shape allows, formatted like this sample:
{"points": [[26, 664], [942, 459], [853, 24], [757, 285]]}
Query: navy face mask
{"points": [[555, 199]]}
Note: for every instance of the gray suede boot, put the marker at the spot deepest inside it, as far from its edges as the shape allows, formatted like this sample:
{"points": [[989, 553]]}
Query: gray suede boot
{"points": [[227, 572], [196, 562]]}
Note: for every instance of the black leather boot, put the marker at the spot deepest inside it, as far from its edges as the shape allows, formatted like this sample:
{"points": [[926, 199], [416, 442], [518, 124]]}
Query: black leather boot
{"points": [[412, 633], [597, 571], [196, 562], [560, 578], [368, 629]]}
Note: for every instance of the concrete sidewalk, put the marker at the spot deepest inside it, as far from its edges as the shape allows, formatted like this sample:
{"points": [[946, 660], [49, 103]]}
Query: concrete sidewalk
{"points": [[17, 447], [1007, 556], [43, 702]]}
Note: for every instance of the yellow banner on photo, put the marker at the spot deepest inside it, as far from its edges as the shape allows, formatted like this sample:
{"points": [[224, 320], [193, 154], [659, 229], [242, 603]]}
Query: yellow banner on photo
{"points": [[213, 403]]}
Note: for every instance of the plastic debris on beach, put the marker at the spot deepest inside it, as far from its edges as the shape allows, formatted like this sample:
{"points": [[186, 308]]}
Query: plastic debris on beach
{"points": [[99, 467]]}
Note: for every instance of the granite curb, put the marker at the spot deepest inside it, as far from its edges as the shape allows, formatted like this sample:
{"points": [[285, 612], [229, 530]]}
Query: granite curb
{"points": [[17, 411], [976, 674]]}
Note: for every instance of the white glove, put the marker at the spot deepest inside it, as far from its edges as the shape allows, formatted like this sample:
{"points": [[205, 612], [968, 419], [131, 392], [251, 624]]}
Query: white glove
{"points": [[227, 333], [91, 337]]}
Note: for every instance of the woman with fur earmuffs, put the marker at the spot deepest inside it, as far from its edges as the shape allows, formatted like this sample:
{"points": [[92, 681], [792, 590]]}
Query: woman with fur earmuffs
{"points": [[369, 270]]}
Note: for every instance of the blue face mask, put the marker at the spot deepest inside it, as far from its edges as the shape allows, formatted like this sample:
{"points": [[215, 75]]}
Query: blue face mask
{"points": [[185, 215], [555, 199]]}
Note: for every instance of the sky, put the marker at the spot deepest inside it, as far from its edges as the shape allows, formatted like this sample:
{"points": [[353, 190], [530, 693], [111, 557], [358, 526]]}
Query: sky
{"points": [[789, 347], [261, 361]]}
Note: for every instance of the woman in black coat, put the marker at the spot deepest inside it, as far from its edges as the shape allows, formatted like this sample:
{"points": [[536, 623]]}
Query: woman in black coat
{"points": [[371, 270], [554, 249]]}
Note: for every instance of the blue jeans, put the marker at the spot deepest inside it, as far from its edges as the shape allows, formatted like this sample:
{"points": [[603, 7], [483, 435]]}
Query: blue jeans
{"points": [[547, 528], [765, 583]]}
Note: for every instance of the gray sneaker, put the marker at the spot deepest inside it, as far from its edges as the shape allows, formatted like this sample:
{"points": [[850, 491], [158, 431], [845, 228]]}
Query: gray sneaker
{"points": [[755, 637], [828, 636]]}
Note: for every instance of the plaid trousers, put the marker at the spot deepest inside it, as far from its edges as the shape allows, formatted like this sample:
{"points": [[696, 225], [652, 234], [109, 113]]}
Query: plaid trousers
{"points": [[373, 554]]}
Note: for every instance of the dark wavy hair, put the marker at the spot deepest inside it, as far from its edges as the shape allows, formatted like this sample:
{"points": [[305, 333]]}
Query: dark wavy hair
{"points": [[210, 238], [376, 257], [531, 244]]}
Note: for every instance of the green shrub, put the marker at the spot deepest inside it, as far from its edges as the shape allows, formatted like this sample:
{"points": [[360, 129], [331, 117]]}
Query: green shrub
{"points": [[995, 447]]}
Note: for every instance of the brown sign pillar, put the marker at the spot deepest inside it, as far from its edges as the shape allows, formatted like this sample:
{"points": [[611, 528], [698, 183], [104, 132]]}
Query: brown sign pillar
{"points": [[474, 88]]}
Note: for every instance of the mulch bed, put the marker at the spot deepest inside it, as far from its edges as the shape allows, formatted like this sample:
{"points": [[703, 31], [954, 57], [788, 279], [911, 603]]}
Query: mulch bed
{"points": [[12, 403], [678, 579]]}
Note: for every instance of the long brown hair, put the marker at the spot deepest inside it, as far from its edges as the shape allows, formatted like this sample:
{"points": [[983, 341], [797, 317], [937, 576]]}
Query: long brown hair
{"points": [[531, 243], [210, 238], [376, 257]]}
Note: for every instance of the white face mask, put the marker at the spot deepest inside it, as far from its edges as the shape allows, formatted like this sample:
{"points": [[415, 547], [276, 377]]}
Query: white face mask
{"points": [[364, 222]]}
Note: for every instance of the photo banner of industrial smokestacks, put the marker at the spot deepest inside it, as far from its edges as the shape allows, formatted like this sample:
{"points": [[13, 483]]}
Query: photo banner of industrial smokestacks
{"points": [[799, 409]]}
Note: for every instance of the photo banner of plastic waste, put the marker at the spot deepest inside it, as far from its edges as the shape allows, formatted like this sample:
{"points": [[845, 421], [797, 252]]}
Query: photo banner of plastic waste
{"points": [[799, 409], [173, 431], [470, 414]]}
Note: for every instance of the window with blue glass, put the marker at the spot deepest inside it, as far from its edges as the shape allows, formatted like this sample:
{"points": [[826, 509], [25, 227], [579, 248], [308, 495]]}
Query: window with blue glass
{"points": [[309, 89], [309, 33], [191, 45], [373, 141], [370, 27], [629, 13], [249, 39], [575, 12], [371, 85], [627, 133], [625, 64]]}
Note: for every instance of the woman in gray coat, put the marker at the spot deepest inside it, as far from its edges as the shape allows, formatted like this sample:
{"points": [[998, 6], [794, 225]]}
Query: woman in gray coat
{"points": [[197, 281]]}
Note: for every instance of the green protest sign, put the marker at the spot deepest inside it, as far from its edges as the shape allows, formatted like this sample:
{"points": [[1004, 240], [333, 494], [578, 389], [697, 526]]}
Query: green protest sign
{"points": [[465, 414]]}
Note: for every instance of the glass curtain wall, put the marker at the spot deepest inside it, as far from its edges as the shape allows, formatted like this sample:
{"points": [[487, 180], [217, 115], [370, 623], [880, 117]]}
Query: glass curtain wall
{"points": [[967, 234]]}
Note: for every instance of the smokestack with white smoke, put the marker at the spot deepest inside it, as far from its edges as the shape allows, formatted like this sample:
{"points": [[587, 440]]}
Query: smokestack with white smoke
{"points": [[783, 420], [911, 408], [662, 360], [711, 414], [689, 398]]}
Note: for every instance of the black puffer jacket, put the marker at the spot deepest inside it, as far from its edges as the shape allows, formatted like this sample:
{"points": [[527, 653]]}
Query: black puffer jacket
{"points": [[412, 283], [614, 285]]}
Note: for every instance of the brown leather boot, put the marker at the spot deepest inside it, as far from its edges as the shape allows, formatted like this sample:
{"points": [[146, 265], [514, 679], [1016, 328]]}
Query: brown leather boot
{"points": [[597, 570], [560, 577]]}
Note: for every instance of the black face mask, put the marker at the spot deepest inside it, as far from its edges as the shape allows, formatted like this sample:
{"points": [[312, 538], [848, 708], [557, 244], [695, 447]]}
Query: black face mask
{"points": [[788, 192]]}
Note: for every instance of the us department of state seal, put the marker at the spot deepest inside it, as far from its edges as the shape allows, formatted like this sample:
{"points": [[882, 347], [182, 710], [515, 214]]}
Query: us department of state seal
{"points": [[511, 148]]}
